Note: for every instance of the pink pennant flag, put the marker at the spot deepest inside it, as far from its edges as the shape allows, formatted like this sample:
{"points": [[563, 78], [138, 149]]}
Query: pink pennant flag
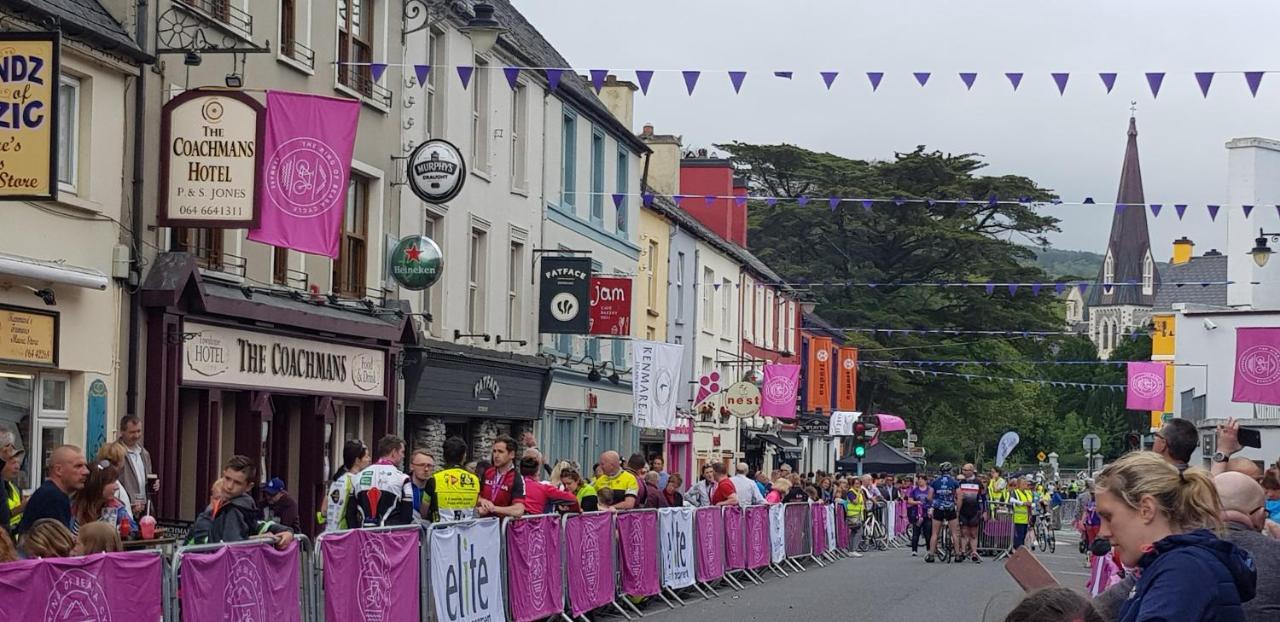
{"points": [[306, 166], [1257, 371], [1145, 386], [779, 391]]}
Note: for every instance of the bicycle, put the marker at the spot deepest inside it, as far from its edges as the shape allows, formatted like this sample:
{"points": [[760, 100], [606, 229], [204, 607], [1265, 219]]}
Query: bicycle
{"points": [[874, 534], [1045, 538], [946, 548]]}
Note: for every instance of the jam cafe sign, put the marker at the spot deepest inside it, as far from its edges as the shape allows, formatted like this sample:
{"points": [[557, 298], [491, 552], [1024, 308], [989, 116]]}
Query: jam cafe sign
{"points": [[29, 75], [210, 160], [218, 356]]}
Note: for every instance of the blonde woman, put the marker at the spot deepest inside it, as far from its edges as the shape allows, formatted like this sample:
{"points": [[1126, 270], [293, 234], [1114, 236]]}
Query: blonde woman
{"points": [[46, 538], [1159, 519], [780, 488], [116, 454]]}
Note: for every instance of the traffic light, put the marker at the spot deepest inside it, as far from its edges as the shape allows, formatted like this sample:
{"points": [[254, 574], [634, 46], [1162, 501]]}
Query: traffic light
{"points": [[859, 440]]}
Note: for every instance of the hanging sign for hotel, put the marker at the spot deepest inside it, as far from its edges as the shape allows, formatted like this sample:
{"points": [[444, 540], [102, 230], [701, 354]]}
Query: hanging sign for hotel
{"points": [[610, 305], [28, 337], [564, 289], [210, 159], [416, 262], [436, 171], [218, 356], [29, 78], [742, 399]]}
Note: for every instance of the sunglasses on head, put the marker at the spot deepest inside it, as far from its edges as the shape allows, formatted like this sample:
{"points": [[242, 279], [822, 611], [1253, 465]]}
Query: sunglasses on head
{"points": [[102, 464]]}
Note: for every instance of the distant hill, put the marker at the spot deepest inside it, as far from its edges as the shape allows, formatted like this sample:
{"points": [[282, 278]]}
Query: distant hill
{"points": [[1060, 263]]}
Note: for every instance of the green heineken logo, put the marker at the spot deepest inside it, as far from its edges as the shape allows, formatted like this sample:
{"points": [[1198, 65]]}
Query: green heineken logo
{"points": [[416, 262]]}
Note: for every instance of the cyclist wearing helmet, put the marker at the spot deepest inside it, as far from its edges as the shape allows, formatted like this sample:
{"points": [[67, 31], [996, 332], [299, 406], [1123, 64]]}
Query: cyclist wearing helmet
{"points": [[942, 497]]}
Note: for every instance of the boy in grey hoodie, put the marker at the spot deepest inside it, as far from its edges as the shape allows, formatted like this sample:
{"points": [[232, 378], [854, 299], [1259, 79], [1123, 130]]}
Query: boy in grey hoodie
{"points": [[232, 516]]}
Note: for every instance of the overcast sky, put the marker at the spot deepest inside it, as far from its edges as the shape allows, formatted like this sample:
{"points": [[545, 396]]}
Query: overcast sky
{"points": [[1072, 144]]}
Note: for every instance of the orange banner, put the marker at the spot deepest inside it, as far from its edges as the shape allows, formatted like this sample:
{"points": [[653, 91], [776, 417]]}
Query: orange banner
{"points": [[819, 374], [847, 380]]}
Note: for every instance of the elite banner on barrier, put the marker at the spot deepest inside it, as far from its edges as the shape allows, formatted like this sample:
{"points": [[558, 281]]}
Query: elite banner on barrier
{"points": [[386, 566], [797, 523], [675, 539], [777, 533], [589, 542], [241, 583], [466, 571], [533, 567], [112, 586], [637, 532], [818, 528], [709, 524], [757, 520], [735, 553]]}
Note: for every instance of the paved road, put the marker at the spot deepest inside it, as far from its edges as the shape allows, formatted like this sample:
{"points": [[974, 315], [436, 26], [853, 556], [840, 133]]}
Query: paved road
{"points": [[889, 585]]}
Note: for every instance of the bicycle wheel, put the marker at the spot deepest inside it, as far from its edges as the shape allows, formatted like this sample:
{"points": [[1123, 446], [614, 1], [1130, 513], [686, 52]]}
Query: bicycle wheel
{"points": [[944, 544], [1053, 543]]}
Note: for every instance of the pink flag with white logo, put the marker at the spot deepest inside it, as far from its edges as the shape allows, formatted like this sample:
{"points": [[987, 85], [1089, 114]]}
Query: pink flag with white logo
{"points": [[1145, 387], [779, 391], [1257, 366], [306, 166]]}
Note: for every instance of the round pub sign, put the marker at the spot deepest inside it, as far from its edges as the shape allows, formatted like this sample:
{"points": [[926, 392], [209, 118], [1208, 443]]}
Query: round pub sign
{"points": [[436, 171], [416, 262], [743, 399]]}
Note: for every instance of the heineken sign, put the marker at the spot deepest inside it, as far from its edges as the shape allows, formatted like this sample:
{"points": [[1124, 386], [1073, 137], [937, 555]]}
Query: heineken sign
{"points": [[436, 171], [416, 262]]}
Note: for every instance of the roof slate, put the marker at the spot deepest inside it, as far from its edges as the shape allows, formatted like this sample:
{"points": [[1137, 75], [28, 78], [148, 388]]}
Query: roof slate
{"points": [[84, 20], [1202, 269]]}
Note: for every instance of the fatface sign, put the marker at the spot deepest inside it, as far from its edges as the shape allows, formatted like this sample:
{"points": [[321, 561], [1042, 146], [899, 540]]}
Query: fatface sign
{"points": [[416, 262], [436, 171], [240, 358], [29, 75], [564, 290], [610, 305], [209, 164]]}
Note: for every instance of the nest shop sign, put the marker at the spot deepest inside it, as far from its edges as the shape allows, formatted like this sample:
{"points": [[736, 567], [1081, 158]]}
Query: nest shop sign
{"points": [[218, 356]]}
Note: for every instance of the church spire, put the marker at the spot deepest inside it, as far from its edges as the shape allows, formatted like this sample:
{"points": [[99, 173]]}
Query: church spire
{"points": [[1128, 258]]}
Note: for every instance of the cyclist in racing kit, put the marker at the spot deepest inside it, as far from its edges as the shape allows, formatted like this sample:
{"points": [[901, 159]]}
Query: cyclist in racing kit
{"points": [[383, 494], [969, 509], [942, 497], [454, 491]]}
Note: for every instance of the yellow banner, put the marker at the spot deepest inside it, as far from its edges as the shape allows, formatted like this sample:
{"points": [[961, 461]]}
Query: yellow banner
{"points": [[29, 76]]}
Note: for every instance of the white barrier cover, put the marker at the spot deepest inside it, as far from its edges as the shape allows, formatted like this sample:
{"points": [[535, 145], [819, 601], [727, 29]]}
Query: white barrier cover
{"points": [[675, 542], [466, 572], [777, 534], [833, 515]]}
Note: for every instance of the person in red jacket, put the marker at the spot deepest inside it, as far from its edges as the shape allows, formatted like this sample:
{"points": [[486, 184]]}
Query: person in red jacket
{"points": [[538, 497]]}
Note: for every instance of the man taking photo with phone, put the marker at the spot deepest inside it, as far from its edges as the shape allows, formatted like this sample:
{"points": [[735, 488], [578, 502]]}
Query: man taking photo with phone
{"points": [[1231, 440]]}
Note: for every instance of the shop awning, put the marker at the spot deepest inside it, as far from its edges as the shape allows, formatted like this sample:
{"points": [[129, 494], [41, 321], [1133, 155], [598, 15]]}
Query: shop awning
{"points": [[780, 443], [42, 271]]}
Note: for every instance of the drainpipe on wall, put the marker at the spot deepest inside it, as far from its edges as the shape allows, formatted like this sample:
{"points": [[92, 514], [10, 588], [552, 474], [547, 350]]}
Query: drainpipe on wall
{"points": [[135, 272]]}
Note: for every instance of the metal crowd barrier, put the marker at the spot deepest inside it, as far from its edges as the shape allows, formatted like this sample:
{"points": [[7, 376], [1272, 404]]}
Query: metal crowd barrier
{"points": [[797, 523], [320, 594], [244, 583], [995, 534]]}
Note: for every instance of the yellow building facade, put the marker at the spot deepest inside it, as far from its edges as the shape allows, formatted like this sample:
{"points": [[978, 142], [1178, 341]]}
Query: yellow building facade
{"points": [[649, 309]]}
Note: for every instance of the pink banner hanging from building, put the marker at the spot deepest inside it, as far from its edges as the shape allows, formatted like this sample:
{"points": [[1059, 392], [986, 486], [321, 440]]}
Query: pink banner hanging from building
{"points": [[757, 536], [306, 166], [1145, 386], [779, 391], [241, 583], [589, 542], [364, 571], [735, 553], [113, 586], [533, 568], [708, 526], [1257, 378], [638, 542]]}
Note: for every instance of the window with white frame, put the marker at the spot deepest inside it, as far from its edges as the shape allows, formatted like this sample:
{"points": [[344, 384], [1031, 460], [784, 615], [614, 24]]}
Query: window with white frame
{"points": [[620, 187], [515, 307], [651, 276], [355, 45], [480, 116], [476, 271], [436, 86], [1148, 275], [597, 177], [749, 310], [295, 36], [433, 297], [769, 311], [353, 240], [781, 309], [68, 133], [569, 160], [726, 308], [708, 287], [1108, 269], [680, 287], [519, 142], [760, 315], [33, 418]]}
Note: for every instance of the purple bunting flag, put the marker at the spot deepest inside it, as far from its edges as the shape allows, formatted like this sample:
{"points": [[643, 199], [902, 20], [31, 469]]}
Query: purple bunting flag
{"points": [[922, 77], [802, 200], [1254, 80], [709, 199], [1205, 80], [618, 199], [1015, 79], [740, 200], [376, 70], [647, 199], [736, 77], [771, 201], [875, 77], [1083, 287], [553, 78], [1059, 287], [1248, 209], [691, 79], [643, 76], [464, 74], [829, 77], [678, 198], [1061, 80], [421, 72], [597, 79], [1108, 80], [1154, 80], [1155, 210], [1013, 289], [866, 204], [1120, 208], [834, 202], [1180, 209], [786, 75], [991, 288], [968, 79], [1213, 212], [898, 201], [1088, 201], [1035, 288], [513, 76]]}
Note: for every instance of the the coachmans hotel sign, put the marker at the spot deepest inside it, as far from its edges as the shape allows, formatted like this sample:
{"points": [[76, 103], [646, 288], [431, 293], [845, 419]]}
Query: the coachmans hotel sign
{"points": [[29, 75]]}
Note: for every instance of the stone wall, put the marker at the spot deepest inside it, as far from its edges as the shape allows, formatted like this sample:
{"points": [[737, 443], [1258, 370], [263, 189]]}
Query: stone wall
{"points": [[427, 433]]}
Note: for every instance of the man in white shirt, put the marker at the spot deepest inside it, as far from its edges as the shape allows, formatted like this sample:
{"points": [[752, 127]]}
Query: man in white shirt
{"points": [[133, 477], [748, 492]]}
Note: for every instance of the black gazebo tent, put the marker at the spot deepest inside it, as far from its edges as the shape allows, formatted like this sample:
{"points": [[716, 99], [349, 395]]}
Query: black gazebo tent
{"points": [[881, 458]]}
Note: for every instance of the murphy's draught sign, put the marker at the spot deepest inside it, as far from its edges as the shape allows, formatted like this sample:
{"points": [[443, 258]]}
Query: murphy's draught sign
{"points": [[564, 294], [436, 171]]}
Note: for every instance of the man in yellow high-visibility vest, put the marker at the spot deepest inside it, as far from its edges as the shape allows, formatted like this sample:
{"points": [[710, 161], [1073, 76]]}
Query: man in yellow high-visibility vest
{"points": [[1022, 499]]}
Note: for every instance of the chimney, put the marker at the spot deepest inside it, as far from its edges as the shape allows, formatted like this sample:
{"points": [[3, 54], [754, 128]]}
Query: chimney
{"points": [[739, 214], [664, 162], [1183, 249], [619, 97], [648, 131]]}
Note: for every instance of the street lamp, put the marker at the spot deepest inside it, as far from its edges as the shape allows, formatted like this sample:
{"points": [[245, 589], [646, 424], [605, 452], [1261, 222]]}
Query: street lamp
{"points": [[1261, 252], [483, 28]]}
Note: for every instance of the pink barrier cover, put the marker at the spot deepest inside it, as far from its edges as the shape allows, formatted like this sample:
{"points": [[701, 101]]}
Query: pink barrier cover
{"points": [[241, 583], [708, 527], [735, 554], [842, 529], [590, 562], [108, 586], [638, 543], [533, 568], [998, 528], [900, 524], [794, 518], [820, 515], [386, 564], [757, 519]]}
